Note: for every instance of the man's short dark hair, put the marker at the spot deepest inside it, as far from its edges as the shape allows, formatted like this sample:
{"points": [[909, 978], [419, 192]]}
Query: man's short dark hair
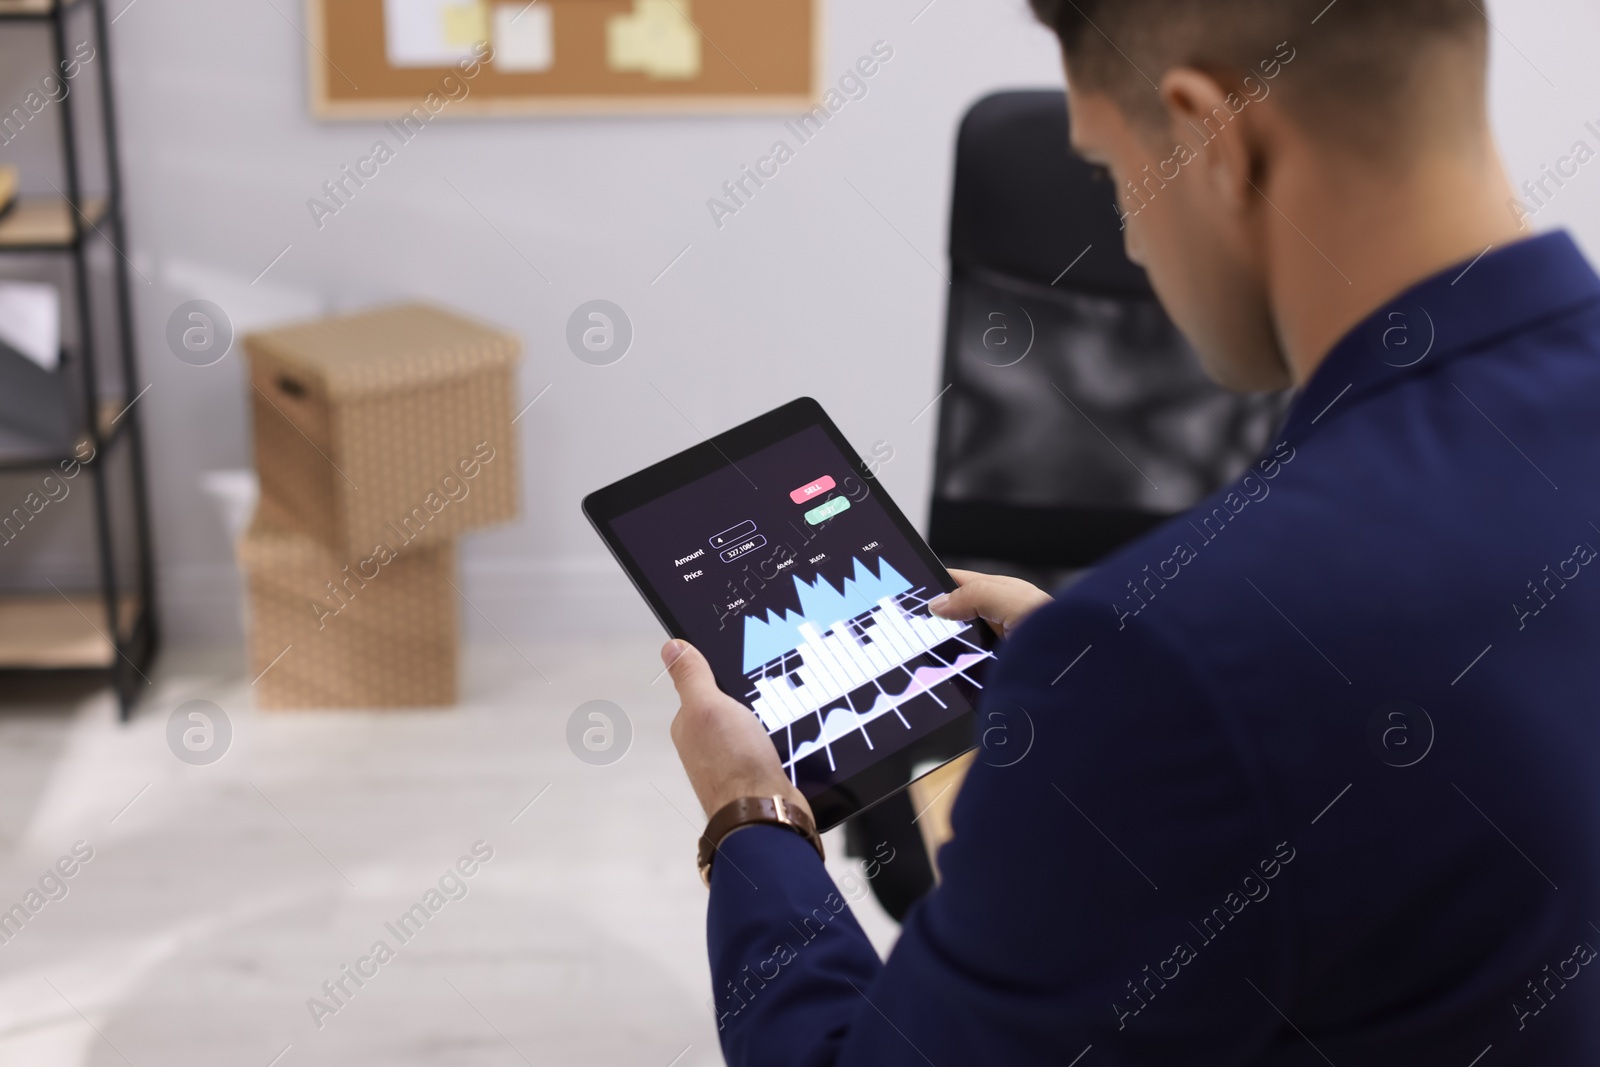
{"points": [[1350, 55]]}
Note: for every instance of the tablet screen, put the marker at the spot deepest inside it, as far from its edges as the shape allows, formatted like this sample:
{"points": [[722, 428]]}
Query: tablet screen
{"points": [[799, 580]]}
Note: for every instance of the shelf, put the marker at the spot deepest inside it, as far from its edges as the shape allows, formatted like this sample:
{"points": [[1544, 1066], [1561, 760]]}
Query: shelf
{"points": [[55, 632], [20, 459], [45, 223], [32, 9], [69, 634]]}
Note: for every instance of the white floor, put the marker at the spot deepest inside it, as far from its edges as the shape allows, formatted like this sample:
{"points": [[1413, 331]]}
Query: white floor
{"points": [[222, 897]]}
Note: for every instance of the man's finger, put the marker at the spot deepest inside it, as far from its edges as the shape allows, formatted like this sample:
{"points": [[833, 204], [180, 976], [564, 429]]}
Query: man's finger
{"points": [[691, 674]]}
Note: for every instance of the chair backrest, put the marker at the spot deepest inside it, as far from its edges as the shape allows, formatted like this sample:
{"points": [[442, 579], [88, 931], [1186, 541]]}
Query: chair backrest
{"points": [[1075, 415]]}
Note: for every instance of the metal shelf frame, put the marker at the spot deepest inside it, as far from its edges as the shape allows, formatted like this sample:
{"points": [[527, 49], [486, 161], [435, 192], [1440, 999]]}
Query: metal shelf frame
{"points": [[133, 636]]}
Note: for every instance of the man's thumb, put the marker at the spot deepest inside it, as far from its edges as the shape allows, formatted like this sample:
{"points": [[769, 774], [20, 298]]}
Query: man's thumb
{"points": [[689, 669], [957, 605]]}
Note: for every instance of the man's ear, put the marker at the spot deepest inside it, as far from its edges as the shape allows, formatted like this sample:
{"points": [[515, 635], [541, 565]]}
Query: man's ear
{"points": [[1214, 122]]}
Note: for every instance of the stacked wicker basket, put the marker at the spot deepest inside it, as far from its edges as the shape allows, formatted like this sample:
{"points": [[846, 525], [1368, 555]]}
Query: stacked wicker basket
{"points": [[379, 438]]}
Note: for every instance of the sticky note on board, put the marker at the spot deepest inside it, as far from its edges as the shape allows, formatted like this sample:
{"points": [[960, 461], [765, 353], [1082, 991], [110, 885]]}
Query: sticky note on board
{"points": [[657, 39], [524, 39], [432, 33], [466, 23]]}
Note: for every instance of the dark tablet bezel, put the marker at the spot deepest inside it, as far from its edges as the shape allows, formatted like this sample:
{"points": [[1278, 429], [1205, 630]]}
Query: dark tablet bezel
{"points": [[886, 777]]}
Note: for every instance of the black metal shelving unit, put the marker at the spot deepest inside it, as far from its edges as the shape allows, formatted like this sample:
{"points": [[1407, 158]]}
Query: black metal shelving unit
{"points": [[112, 630]]}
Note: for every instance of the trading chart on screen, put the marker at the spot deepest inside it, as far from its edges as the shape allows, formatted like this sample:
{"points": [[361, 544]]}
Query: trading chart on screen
{"points": [[852, 666]]}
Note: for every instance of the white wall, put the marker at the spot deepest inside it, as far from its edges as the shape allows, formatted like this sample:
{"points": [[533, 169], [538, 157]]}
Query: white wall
{"points": [[807, 290]]}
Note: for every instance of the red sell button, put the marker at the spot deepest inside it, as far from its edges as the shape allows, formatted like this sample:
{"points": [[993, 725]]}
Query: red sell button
{"points": [[806, 492]]}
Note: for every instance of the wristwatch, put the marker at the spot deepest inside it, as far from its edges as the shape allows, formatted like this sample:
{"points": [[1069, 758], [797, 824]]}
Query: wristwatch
{"points": [[747, 811]]}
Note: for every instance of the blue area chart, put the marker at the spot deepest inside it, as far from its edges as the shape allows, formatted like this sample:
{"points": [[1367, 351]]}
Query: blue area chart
{"points": [[821, 605]]}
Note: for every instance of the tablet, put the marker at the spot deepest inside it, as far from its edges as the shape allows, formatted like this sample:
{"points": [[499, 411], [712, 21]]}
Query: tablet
{"points": [[773, 549]]}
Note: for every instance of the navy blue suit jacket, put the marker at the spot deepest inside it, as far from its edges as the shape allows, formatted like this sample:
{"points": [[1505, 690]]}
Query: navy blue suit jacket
{"points": [[1314, 772]]}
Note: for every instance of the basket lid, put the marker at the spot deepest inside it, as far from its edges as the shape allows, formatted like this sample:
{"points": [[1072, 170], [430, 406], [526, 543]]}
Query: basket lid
{"points": [[406, 346]]}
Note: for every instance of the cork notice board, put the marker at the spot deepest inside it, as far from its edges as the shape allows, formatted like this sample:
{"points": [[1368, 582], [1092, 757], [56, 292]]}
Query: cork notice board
{"points": [[380, 58]]}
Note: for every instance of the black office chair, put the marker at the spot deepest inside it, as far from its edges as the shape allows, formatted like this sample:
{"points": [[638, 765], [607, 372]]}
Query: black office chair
{"points": [[1075, 416]]}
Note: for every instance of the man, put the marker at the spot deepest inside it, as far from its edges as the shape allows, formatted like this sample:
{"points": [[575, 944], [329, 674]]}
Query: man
{"points": [[1313, 777]]}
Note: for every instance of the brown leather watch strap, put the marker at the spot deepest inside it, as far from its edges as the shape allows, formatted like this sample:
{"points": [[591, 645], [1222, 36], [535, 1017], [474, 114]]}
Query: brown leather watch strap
{"points": [[747, 811]]}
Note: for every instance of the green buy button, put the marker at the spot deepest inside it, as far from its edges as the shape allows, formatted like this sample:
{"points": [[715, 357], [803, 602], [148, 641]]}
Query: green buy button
{"points": [[824, 512]]}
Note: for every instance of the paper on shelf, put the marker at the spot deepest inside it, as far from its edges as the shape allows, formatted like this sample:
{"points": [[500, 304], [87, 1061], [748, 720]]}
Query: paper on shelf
{"points": [[433, 33], [30, 321], [524, 40], [657, 39]]}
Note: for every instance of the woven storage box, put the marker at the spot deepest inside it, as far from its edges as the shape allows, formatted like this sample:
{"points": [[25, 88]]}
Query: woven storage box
{"points": [[385, 425], [365, 630]]}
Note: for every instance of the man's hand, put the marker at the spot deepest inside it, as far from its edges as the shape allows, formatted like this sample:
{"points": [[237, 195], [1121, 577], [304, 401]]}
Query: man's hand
{"points": [[1000, 601], [724, 750]]}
